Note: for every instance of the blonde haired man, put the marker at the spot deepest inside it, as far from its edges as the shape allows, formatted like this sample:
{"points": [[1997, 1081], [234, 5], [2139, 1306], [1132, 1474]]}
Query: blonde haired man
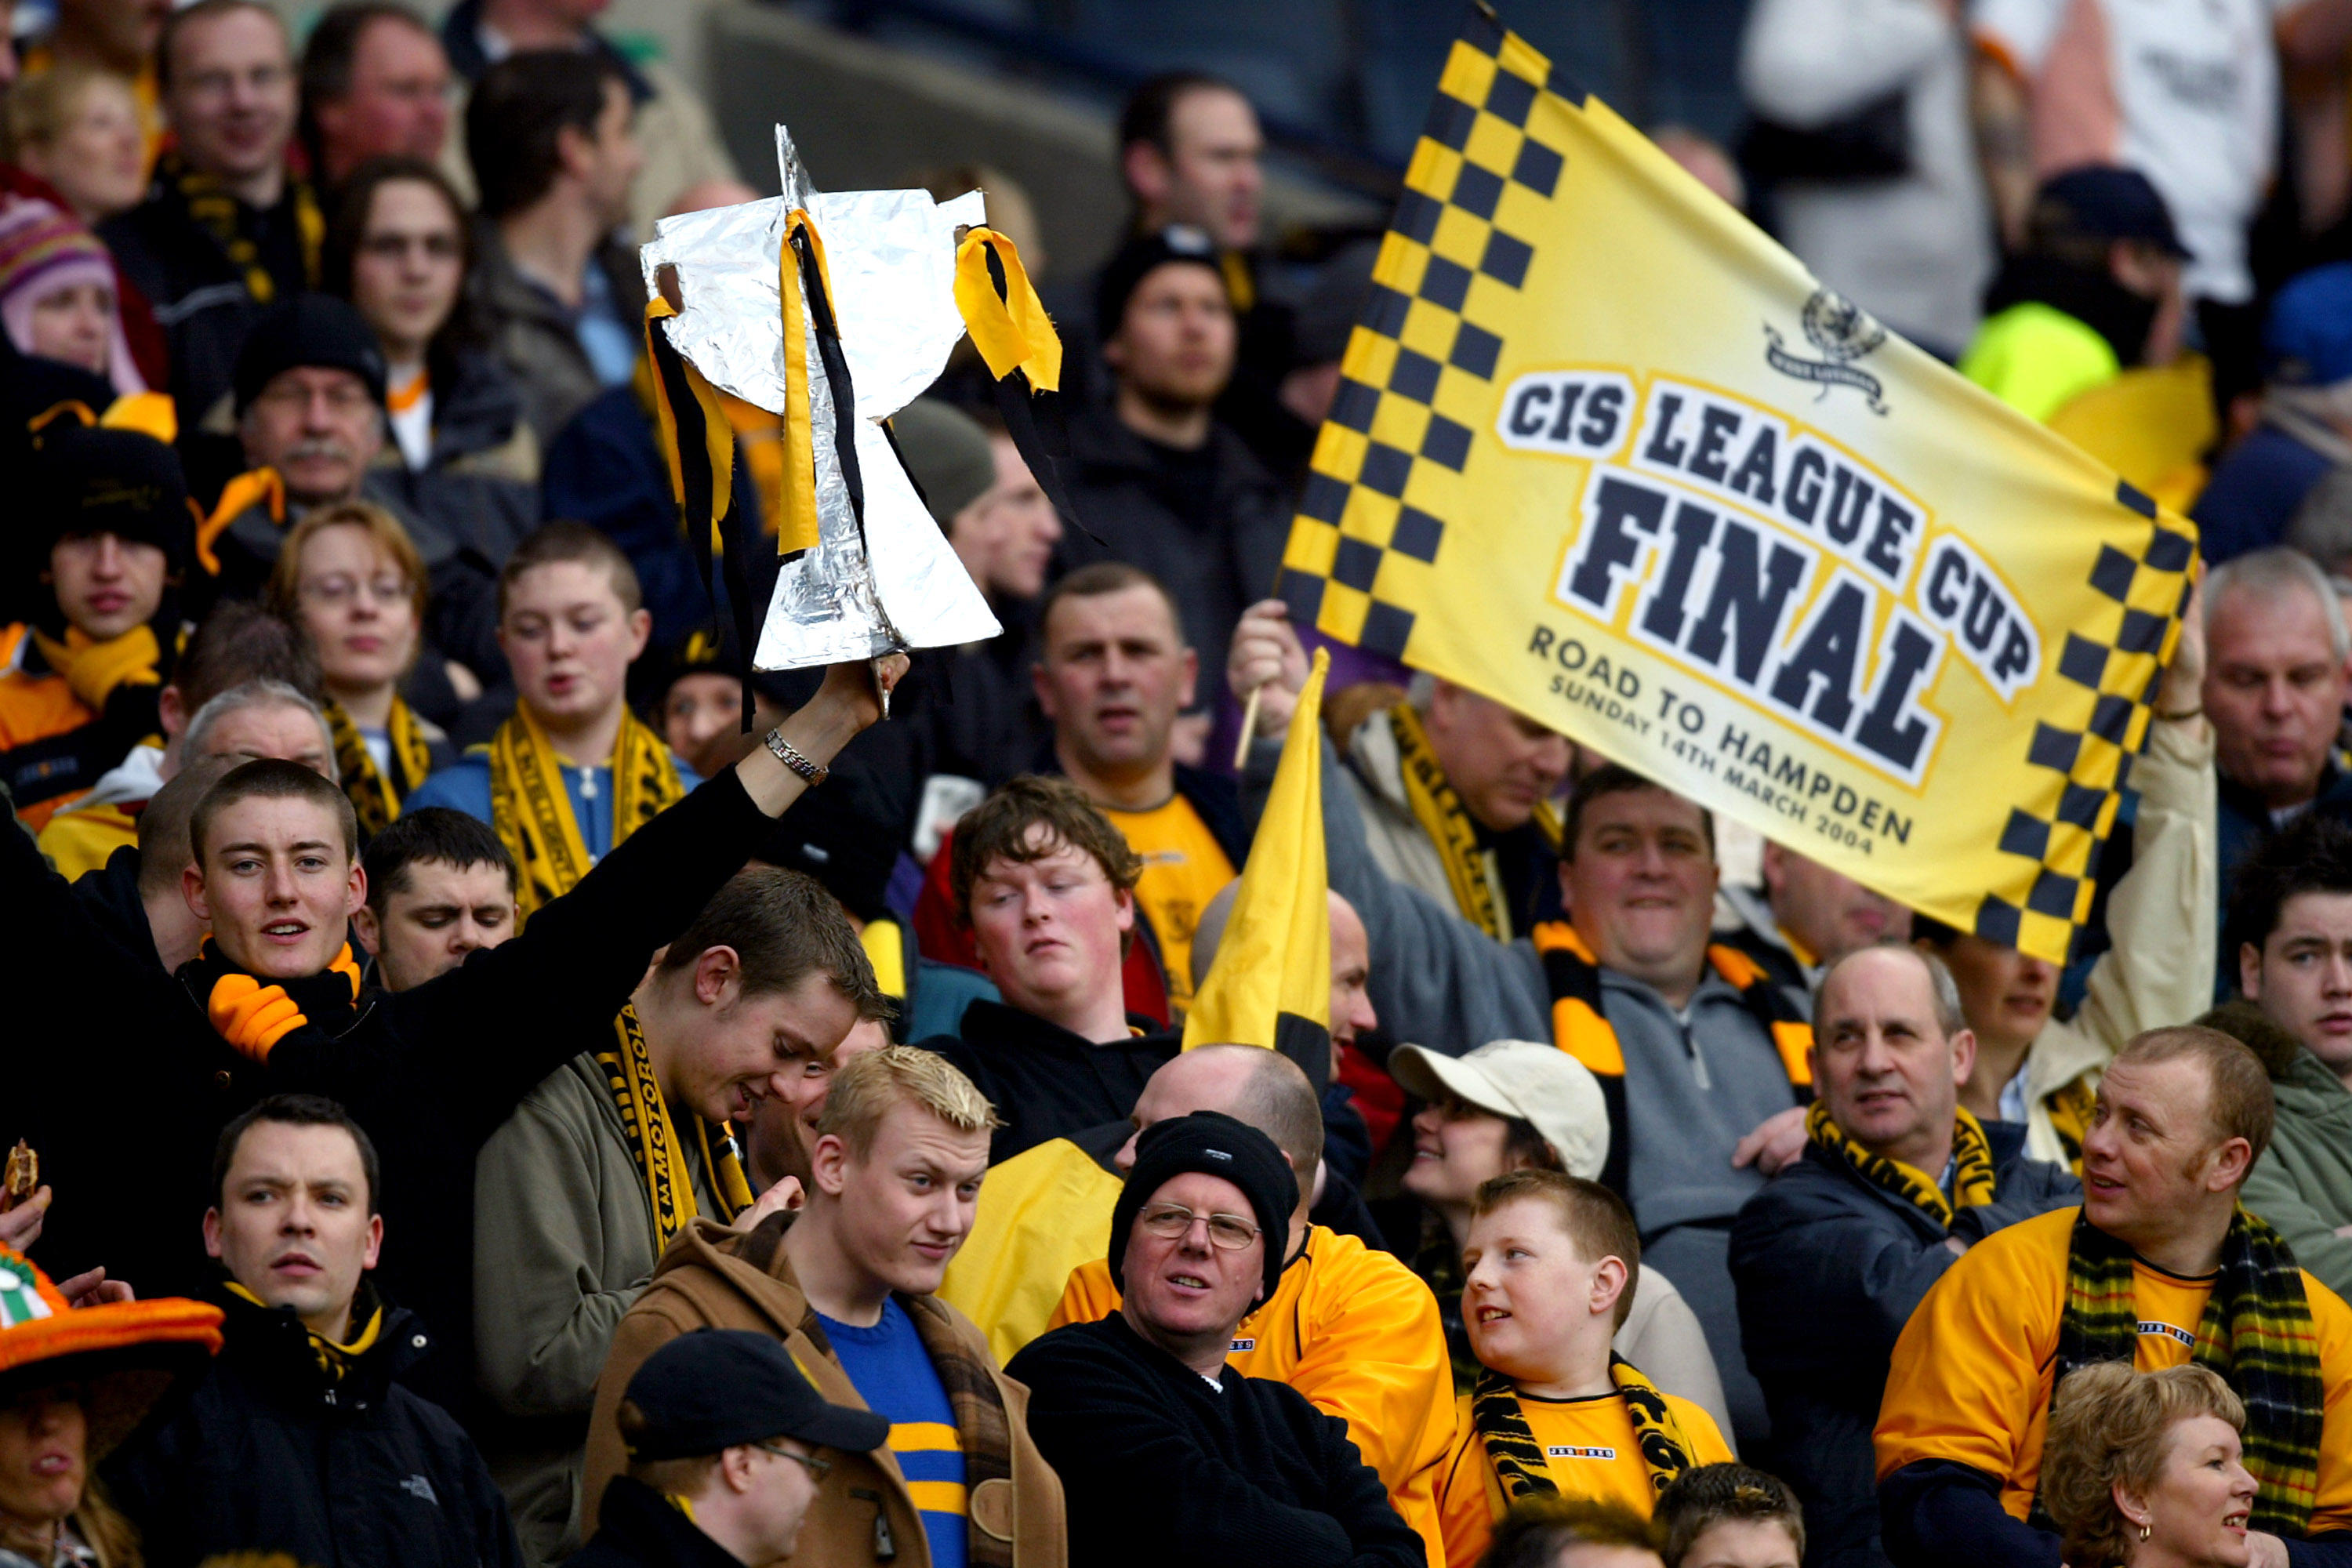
{"points": [[848, 1284]]}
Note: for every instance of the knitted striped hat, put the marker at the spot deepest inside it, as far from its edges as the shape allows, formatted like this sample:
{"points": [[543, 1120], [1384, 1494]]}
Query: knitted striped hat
{"points": [[42, 250], [126, 1355]]}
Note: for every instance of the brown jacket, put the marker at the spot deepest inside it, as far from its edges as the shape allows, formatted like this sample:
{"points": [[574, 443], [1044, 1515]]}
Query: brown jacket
{"points": [[712, 1277]]}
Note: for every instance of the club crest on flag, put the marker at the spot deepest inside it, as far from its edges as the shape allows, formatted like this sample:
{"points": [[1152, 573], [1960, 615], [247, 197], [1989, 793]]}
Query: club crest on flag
{"points": [[1841, 329]]}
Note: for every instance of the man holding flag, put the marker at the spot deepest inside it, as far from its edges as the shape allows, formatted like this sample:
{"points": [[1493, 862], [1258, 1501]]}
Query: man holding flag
{"points": [[1603, 452], [1700, 1056]]}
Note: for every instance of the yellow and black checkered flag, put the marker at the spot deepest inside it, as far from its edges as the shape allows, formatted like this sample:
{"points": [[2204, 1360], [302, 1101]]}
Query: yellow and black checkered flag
{"points": [[1605, 453]]}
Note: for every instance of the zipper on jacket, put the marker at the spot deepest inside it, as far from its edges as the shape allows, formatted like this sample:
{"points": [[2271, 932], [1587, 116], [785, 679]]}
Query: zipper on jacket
{"points": [[1697, 1060], [886, 1550]]}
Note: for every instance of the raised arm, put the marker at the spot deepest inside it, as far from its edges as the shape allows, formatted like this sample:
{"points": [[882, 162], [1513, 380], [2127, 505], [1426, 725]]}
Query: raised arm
{"points": [[1435, 978], [519, 1011], [2165, 914]]}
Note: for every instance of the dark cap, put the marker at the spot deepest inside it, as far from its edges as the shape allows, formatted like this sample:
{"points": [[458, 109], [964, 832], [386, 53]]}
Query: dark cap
{"points": [[308, 330], [713, 1389], [948, 454], [2307, 342], [2103, 200], [91, 480], [1136, 261], [1213, 1144]]}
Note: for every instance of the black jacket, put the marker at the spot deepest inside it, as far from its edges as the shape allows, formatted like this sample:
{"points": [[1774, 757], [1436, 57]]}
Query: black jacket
{"points": [[1829, 1269], [111, 894], [201, 297], [1159, 1469], [1214, 571], [637, 1528], [1044, 1081], [270, 1455], [131, 1086]]}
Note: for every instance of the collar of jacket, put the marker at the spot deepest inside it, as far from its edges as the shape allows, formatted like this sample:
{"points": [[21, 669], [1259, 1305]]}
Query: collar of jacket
{"points": [[505, 294], [2335, 790], [653, 1532], [475, 408], [461, 39], [995, 1026], [273, 1345], [1215, 799], [1152, 1356], [1101, 444]]}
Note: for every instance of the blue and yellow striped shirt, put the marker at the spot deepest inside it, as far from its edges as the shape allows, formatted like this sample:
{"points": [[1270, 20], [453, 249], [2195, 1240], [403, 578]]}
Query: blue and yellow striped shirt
{"points": [[894, 1375]]}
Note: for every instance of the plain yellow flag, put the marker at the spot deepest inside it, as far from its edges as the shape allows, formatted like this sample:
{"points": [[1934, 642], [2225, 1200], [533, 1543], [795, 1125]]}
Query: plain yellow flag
{"points": [[1275, 957]]}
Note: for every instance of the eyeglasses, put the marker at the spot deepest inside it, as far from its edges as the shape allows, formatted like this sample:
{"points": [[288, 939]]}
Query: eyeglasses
{"points": [[342, 397], [394, 247], [341, 587], [1173, 1221], [817, 1468]]}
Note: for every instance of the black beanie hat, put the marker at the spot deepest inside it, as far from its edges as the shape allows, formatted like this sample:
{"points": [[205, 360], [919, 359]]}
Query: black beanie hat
{"points": [[1134, 261], [90, 479], [308, 329], [1214, 1144]]}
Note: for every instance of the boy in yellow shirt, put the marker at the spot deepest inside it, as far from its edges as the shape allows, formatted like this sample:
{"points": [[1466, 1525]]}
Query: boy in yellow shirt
{"points": [[1551, 1262]]}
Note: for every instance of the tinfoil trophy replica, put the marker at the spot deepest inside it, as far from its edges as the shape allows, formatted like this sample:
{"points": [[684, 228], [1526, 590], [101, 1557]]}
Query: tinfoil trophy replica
{"points": [[832, 313]]}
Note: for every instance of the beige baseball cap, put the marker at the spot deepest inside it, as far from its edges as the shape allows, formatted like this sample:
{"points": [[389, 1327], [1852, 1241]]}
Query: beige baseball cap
{"points": [[1535, 1083]]}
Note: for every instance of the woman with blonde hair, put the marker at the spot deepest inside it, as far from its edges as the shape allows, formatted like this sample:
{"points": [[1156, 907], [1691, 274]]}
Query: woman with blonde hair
{"points": [[2144, 1469], [351, 579], [79, 128]]}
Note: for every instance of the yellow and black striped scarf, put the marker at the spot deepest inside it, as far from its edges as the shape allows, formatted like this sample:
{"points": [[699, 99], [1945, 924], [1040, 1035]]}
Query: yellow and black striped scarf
{"points": [[654, 1138], [1471, 871], [375, 798], [2256, 1334], [222, 215], [1518, 1458], [1580, 1028], [532, 811], [1972, 1172]]}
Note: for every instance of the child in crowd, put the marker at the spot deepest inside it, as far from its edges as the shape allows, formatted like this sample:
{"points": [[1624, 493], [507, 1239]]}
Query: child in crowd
{"points": [[571, 773], [1729, 1516], [1551, 1262]]}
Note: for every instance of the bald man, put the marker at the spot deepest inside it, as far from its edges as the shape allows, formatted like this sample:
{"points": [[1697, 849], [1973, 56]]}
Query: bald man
{"points": [[1351, 1328]]}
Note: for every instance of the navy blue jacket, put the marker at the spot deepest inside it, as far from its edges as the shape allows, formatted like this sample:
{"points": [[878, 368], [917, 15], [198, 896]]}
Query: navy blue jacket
{"points": [[2255, 494], [1829, 1269]]}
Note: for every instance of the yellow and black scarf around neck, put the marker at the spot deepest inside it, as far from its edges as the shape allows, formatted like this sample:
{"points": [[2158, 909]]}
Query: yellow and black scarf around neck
{"points": [[1518, 1458], [1972, 1172], [1480, 895], [222, 215], [1582, 1029], [336, 1357], [654, 1138], [375, 798], [532, 811], [2256, 1334]]}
